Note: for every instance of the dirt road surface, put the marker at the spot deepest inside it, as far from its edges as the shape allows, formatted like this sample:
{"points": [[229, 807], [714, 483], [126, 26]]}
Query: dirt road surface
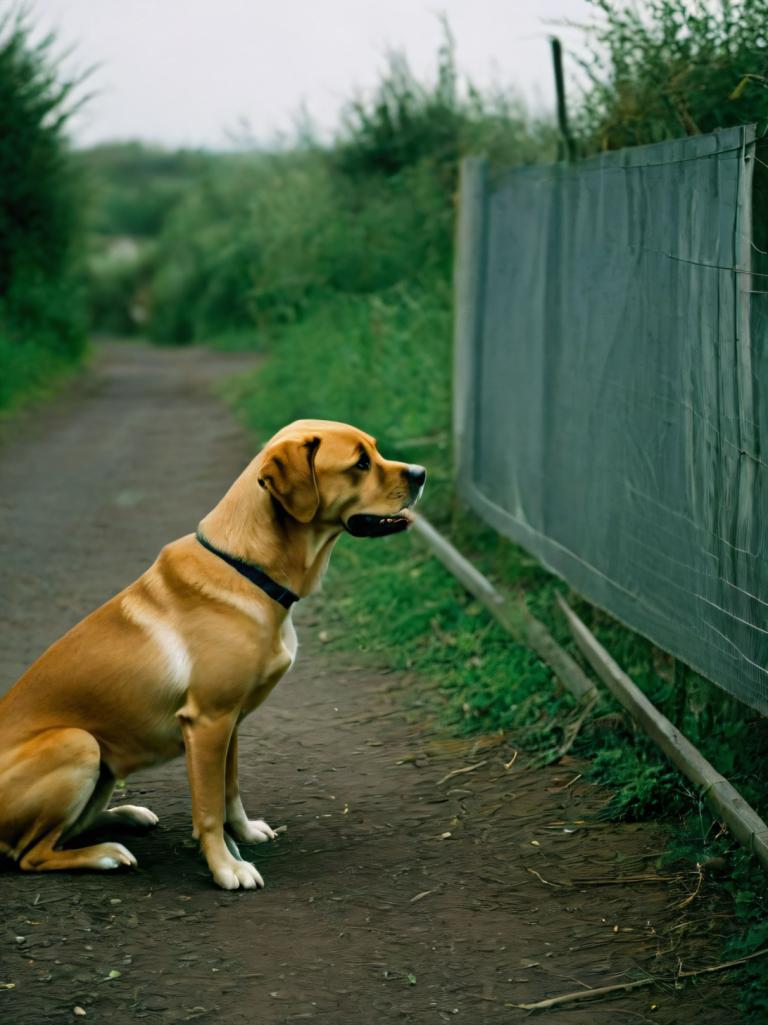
{"points": [[404, 889]]}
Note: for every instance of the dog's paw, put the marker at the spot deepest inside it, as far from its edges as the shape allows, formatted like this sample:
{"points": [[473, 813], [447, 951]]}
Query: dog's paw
{"points": [[253, 831], [134, 815], [235, 875], [107, 856]]}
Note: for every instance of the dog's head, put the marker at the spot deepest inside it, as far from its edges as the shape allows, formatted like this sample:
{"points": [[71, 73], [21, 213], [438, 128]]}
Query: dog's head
{"points": [[332, 474]]}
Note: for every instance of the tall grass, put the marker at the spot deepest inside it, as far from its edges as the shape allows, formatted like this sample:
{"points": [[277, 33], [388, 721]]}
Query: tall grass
{"points": [[42, 324]]}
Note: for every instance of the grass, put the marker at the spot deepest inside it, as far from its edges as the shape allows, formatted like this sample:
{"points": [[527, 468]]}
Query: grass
{"points": [[30, 373]]}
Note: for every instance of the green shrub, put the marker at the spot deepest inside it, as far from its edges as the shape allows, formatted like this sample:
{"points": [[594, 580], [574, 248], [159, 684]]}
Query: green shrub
{"points": [[258, 239], [669, 68], [117, 286], [41, 296], [407, 122], [378, 360], [133, 186]]}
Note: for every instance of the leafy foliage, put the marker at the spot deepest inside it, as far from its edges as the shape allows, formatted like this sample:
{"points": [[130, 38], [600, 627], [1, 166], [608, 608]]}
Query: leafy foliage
{"points": [[668, 68], [254, 239], [133, 186], [406, 122], [41, 301]]}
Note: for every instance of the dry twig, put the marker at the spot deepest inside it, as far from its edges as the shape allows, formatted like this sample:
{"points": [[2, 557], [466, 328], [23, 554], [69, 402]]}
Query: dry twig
{"points": [[459, 772], [695, 892], [599, 991]]}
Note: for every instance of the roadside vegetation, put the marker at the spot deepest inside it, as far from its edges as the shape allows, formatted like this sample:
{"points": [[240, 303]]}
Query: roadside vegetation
{"points": [[667, 68], [132, 189], [335, 261], [42, 300]]}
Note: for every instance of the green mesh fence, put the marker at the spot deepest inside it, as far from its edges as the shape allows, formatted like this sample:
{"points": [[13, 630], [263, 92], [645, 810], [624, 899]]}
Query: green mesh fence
{"points": [[612, 386]]}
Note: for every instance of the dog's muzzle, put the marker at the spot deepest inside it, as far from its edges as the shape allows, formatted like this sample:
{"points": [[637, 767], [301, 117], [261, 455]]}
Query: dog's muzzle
{"points": [[371, 525]]}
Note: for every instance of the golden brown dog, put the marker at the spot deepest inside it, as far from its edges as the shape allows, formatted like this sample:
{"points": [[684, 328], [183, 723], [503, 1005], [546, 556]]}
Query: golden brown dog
{"points": [[174, 662]]}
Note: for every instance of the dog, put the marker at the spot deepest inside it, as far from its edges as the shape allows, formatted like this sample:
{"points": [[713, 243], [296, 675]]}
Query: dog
{"points": [[172, 664]]}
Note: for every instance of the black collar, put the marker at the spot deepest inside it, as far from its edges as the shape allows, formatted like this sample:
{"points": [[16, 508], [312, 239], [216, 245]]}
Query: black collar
{"points": [[257, 576]]}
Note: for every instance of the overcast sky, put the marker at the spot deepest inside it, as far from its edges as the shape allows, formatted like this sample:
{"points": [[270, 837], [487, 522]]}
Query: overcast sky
{"points": [[191, 72]]}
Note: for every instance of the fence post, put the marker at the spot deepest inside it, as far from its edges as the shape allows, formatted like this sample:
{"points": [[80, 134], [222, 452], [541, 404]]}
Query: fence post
{"points": [[469, 270], [567, 143]]}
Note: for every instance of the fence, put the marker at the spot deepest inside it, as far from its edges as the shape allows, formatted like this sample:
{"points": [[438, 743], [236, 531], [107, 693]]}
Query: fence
{"points": [[611, 386]]}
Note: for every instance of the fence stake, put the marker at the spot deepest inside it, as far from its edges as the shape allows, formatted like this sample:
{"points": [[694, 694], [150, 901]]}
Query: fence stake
{"points": [[726, 802], [562, 109], [511, 614], [469, 272]]}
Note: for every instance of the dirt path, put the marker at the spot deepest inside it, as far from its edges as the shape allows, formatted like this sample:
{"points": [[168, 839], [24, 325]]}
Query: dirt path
{"points": [[397, 894]]}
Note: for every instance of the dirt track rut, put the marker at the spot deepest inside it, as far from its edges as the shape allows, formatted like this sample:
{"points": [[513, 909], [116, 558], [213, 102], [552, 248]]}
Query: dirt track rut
{"points": [[396, 894]]}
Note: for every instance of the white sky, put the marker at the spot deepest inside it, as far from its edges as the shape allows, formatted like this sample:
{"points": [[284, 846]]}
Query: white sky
{"points": [[192, 72]]}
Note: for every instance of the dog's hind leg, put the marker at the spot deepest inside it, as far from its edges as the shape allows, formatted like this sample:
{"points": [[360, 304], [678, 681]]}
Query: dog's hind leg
{"points": [[131, 815], [96, 817], [45, 786]]}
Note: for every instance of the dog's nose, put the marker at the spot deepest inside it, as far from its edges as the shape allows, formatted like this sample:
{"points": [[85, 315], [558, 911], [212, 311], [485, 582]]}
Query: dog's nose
{"points": [[416, 476]]}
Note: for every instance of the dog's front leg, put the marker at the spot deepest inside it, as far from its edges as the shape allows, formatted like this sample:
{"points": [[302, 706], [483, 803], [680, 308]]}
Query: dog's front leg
{"points": [[206, 741], [242, 828]]}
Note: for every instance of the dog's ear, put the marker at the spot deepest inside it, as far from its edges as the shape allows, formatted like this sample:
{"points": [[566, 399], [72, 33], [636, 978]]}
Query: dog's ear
{"points": [[287, 472]]}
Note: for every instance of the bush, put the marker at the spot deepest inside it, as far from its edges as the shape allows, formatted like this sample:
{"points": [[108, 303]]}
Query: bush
{"points": [[134, 186], [41, 297], [260, 238], [117, 285], [669, 68], [378, 360], [132, 189]]}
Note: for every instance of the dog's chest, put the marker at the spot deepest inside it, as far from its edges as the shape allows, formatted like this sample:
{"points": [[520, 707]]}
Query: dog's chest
{"points": [[276, 667], [289, 638]]}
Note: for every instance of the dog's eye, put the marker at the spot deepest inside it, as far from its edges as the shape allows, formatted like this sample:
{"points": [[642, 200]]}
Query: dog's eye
{"points": [[363, 463]]}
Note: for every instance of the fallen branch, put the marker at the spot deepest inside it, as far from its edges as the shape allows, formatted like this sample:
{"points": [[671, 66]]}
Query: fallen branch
{"points": [[584, 994], [600, 991], [605, 880]]}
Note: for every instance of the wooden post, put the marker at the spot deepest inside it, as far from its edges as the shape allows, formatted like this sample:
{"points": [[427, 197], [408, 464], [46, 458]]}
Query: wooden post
{"points": [[726, 802], [469, 272], [568, 144]]}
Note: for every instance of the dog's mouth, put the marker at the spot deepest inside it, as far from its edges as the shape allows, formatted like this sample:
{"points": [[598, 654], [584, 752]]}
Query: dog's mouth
{"points": [[370, 525]]}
